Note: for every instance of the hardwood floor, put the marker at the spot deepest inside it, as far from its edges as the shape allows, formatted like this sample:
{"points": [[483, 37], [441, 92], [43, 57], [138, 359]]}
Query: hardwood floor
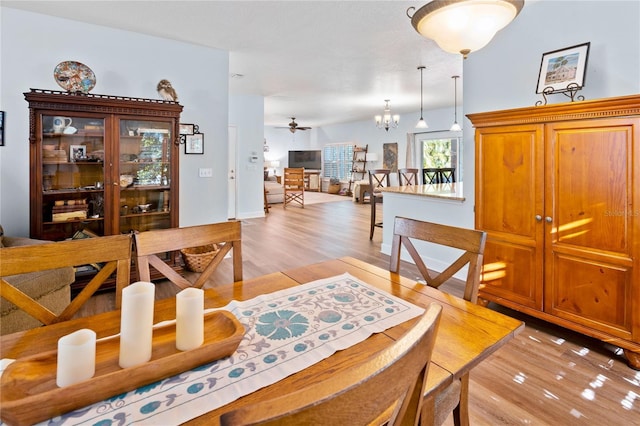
{"points": [[546, 376]]}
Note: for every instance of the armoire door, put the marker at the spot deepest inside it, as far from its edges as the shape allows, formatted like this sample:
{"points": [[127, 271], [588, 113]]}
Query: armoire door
{"points": [[592, 213], [509, 207]]}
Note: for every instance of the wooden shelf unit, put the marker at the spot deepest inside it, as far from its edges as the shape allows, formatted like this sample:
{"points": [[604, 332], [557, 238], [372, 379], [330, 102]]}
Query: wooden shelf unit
{"points": [[358, 166]]}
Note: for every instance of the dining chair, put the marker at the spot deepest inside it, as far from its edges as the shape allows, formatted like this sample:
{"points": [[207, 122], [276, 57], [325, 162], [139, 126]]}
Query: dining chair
{"points": [[108, 255], [430, 176], [386, 389], [407, 177], [378, 178], [447, 175], [293, 186], [150, 244], [436, 408]]}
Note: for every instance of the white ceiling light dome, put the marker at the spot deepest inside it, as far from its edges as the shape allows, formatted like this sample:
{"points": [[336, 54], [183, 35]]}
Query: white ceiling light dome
{"points": [[464, 26]]}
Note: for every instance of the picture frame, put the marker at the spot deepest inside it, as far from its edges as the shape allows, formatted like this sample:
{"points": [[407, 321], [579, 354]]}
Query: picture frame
{"points": [[562, 68], [187, 129], [194, 144], [1, 128], [77, 152], [390, 156]]}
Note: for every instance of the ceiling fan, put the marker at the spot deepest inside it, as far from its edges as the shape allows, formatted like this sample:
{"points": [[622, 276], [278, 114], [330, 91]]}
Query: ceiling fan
{"points": [[293, 126]]}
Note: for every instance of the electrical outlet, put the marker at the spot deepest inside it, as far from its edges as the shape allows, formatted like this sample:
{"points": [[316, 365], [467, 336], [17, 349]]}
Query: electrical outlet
{"points": [[205, 172]]}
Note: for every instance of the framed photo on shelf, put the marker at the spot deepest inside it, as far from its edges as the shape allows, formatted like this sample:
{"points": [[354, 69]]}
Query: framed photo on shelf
{"points": [[77, 152], [563, 67], [194, 144], [186, 129]]}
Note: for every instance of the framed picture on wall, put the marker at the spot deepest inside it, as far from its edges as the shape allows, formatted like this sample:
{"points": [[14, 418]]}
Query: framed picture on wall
{"points": [[390, 156], [563, 69], [194, 144]]}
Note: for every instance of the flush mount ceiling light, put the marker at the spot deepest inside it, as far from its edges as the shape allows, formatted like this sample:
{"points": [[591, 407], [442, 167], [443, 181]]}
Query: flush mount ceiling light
{"points": [[386, 121], [421, 123], [463, 26], [455, 127]]}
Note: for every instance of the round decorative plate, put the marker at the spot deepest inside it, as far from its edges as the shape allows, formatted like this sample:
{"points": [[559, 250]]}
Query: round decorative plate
{"points": [[74, 76]]}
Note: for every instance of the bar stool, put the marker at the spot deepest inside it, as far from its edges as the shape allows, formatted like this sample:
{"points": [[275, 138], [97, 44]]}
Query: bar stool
{"points": [[430, 176], [407, 177], [447, 175], [378, 178]]}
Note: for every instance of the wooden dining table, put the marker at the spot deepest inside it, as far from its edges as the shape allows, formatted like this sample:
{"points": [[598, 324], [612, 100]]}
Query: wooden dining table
{"points": [[467, 333]]}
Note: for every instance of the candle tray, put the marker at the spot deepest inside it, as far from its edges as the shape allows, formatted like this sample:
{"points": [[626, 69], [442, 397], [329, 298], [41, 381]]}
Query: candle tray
{"points": [[28, 390]]}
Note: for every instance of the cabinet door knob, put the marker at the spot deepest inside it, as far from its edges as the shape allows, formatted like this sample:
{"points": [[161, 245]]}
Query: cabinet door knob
{"points": [[549, 219], [538, 218]]}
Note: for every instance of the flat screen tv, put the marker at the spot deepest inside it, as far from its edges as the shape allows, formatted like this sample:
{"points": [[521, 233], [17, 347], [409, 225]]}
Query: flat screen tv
{"points": [[310, 160]]}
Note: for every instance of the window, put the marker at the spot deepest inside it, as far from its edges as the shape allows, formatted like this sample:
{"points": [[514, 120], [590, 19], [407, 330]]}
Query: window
{"points": [[441, 149], [337, 160]]}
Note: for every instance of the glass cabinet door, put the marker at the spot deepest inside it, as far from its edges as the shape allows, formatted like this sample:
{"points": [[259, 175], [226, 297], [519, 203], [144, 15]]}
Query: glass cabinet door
{"points": [[72, 176], [144, 174]]}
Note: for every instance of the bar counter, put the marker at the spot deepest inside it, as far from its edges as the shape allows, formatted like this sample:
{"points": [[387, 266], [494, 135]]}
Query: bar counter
{"points": [[447, 191]]}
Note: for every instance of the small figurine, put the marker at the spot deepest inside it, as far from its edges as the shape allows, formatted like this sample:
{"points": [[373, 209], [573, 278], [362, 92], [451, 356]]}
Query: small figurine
{"points": [[166, 91]]}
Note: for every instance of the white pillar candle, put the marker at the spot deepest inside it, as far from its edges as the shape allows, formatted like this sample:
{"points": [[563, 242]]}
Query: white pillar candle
{"points": [[136, 324], [189, 318], [76, 357]]}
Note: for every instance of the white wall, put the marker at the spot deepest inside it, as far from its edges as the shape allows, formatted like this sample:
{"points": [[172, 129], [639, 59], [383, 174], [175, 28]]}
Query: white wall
{"points": [[126, 64]]}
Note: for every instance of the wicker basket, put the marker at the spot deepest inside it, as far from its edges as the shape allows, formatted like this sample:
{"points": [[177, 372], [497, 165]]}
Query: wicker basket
{"points": [[196, 259]]}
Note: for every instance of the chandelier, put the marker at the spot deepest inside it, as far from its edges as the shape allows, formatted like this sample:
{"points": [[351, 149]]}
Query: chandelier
{"points": [[463, 26], [385, 121]]}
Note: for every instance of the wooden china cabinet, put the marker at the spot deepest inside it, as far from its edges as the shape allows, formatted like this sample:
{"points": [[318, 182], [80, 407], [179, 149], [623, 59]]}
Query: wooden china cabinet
{"points": [[558, 193], [101, 165]]}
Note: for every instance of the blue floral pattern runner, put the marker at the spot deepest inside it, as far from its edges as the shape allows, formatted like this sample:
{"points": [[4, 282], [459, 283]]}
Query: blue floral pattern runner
{"points": [[286, 331]]}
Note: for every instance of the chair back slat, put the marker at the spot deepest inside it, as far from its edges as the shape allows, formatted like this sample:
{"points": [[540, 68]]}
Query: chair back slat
{"points": [[379, 178], [407, 177], [385, 389], [112, 254], [149, 244], [438, 175], [470, 241]]}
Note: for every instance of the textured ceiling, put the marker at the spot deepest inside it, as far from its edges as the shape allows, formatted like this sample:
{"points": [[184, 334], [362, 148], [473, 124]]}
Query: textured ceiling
{"points": [[323, 62]]}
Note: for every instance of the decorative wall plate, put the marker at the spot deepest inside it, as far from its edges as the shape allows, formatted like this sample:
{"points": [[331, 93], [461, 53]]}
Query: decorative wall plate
{"points": [[74, 76]]}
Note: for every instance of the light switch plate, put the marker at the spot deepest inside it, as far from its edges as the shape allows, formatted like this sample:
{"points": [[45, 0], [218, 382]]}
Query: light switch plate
{"points": [[204, 172]]}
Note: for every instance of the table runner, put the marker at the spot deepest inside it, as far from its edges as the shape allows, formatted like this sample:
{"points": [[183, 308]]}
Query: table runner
{"points": [[285, 332]]}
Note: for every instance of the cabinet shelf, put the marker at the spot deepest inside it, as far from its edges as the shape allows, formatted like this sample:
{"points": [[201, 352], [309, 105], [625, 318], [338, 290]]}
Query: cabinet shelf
{"points": [[79, 134], [53, 192], [62, 222], [145, 214], [73, 163], [145, 188]]}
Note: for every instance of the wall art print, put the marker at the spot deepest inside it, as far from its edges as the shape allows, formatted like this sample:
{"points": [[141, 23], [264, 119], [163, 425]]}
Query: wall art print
{"points": [[390, 156]]}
